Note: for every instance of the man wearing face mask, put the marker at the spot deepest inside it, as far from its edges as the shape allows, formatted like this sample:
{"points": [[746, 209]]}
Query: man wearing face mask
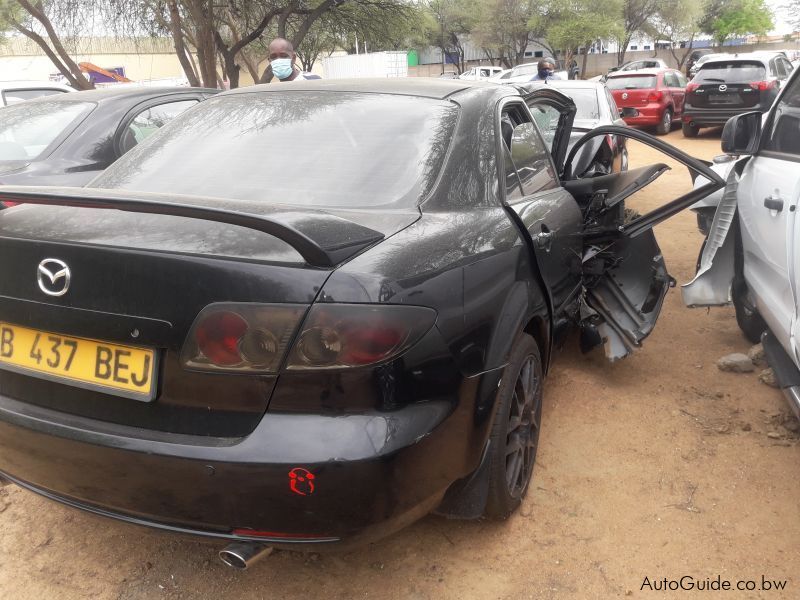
{"points": [[546, 71], [282, 59]]}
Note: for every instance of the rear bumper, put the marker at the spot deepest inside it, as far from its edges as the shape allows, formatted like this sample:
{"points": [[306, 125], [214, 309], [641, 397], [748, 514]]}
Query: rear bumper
{"points": [[373, 473], [649, 116], [715, 116]]}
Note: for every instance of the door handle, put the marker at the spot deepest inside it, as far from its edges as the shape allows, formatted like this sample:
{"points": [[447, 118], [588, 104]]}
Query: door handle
{"points": [[773, 203], [544, 240]]}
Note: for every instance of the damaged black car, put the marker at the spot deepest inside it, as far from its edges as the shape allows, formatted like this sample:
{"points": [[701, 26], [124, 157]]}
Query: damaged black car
{"points": [[306, 315]]}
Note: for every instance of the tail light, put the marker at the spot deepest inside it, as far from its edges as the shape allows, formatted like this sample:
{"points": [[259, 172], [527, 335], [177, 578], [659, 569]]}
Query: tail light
{"points": [[655, 96], [255, 338], [340, 336], [241, 337], [690, 87], [763, 86]]}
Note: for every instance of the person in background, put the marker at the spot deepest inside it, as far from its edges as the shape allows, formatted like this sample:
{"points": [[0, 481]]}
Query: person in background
{"points": [[546, 71], [282, 60]]}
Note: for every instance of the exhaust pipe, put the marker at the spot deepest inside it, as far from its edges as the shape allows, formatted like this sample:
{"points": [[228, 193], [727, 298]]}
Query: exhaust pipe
{"points": [[241, 555]]}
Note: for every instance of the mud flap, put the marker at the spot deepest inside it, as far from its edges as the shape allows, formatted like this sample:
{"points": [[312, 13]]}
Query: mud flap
{"points": [[627, 303], [711, 285]]}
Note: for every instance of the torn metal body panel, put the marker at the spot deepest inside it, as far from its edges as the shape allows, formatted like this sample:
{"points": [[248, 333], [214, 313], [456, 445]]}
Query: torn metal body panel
{"points": [[711, 285]]}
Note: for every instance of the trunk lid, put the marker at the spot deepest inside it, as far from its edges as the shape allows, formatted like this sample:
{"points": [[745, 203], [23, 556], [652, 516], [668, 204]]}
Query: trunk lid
{"points": [[632, 91], [139, 281]]}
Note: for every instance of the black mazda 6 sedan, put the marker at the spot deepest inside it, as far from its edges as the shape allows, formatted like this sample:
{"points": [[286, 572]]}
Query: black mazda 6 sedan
{"points": [[308, 314]]}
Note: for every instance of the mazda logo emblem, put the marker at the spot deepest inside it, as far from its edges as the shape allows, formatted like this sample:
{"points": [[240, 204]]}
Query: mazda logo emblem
{"points": [[53, 276], [723, 88]]}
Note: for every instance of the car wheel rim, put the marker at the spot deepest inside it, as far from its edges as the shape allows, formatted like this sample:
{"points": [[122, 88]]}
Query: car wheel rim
{"points": [[667, 119], [523, 429]]}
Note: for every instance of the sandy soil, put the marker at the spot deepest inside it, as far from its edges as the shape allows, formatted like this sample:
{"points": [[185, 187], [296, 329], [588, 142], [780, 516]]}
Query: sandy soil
{"points": [[659, 466]]}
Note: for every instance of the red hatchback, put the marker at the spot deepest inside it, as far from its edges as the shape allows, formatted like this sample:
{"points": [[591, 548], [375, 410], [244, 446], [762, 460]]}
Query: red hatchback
{"points": [[657, 94]]}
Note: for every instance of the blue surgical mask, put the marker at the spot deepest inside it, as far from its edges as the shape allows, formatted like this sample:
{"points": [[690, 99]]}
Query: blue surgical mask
{"points": [[545, 73], [282, 67]]}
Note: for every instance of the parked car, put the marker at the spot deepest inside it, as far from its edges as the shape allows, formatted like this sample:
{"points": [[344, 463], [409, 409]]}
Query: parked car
{"points": [[638, 65], [752, 251], [657, 95], [478, 73], [306, 319], [595, 107], [696, 57], [524, 72], [12, 92], [69, 138], [732, 85], [634, 65], [702, 60]]}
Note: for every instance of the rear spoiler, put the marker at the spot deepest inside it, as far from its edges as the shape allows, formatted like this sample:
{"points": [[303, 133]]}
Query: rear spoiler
{"points": [[322, 239]]}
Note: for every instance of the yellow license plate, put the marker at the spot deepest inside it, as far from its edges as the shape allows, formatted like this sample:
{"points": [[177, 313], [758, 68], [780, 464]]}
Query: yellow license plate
{"points": [[121, 370]]}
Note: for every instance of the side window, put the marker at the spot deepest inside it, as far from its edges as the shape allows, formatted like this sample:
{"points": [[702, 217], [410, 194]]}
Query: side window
{"points": [[682, 81], [777, 68], [787, 66], [612, 105], [528, 167], [670, 80], [547, 119], [150, 120], [784, 133]]}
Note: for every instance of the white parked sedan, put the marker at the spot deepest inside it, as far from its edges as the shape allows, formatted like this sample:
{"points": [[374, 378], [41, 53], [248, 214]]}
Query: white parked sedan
{"points": [[752, 253], [12, 92]]}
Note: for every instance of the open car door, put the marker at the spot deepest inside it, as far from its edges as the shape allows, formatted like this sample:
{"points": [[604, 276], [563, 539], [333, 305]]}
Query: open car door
{"points": [[625, 278]]}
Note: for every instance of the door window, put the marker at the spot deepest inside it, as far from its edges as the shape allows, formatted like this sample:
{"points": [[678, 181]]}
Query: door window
{"points": [[784, 133], [150, 120], [670, 80], [528, 167], [682, 81], [612, 106]]}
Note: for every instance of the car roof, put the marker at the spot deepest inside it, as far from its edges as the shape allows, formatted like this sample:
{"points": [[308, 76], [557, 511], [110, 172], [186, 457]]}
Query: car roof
{"points": [[651, 71], [428, 87], [574, 84], [761, 57], [122, 91]]}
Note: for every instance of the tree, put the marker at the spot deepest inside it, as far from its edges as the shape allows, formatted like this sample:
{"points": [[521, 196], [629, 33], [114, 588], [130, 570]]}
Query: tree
{"points": [[636, 14], [678, 21], [578, 23], [38, 21], [503, 29], [450, 27], [725, 19], [791, 11]]}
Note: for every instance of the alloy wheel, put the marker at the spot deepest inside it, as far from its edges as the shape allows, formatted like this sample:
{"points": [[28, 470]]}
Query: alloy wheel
{"points": [[523, 429]]}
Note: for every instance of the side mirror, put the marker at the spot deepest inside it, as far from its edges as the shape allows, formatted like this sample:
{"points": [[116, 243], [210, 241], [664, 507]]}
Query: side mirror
{"points": [[741, 133], [628, 112]]}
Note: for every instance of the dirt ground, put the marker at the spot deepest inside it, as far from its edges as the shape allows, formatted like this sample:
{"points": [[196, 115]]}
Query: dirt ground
{"points": [[658, 466]]}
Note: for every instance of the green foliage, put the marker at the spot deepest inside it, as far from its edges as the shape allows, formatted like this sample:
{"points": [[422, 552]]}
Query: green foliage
{"points": [[725, 19], [578, 22]]}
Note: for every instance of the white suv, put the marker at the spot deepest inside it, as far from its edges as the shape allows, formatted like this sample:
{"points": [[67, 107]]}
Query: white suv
{"points": [[752, 253]]}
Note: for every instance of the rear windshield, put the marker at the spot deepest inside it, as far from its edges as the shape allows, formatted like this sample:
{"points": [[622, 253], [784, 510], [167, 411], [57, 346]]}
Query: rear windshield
{"points": [[731, 72], [312, 148], [585, 101], [632, 82], [28, 128]]}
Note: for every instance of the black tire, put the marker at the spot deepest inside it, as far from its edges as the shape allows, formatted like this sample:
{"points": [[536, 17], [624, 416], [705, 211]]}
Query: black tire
{"points": [[515, 431], [665, 125], [750, 322], [689, 130]]}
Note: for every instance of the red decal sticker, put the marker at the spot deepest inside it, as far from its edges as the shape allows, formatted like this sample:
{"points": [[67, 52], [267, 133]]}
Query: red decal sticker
{"points": [[301, 481]]}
